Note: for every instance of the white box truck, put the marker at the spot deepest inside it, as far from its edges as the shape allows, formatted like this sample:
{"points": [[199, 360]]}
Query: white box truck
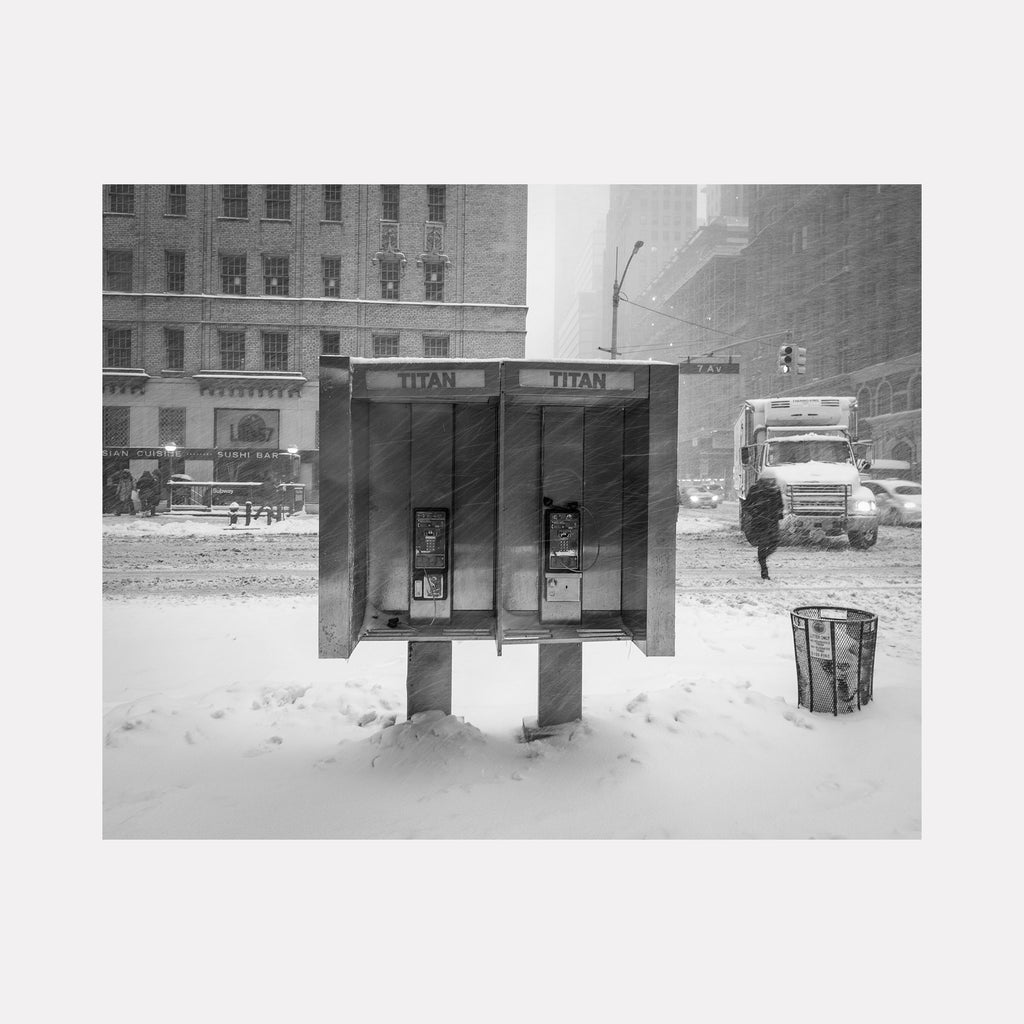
{"points": [[806, 444]]}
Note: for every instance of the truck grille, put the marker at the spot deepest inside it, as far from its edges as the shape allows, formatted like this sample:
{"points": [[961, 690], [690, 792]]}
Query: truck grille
{"points": [[818, 499]]}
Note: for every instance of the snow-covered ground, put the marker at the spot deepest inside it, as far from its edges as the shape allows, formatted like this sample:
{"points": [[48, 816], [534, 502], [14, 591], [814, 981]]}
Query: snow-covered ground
{"points": [[238, 730]]}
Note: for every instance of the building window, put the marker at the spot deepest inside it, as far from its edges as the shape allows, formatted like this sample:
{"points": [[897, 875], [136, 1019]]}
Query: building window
{"points": [[115, 426], [278, 202], [330, 343], [235, 200], [433, 274], [435, 347], [172, 427], [275, 350], [174, 348], [332, 277], [120, 198], [176, 200], [389, 202], [390, 274], [436, 195], [232, 350], [883, 399], [174, 263], [117, 270], [385, 346], [275, 275], [232, 275], [332, 203], [117, 347]]}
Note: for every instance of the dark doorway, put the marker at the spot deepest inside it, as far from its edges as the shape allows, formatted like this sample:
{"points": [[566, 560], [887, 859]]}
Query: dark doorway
{"points": [[111, 465]]}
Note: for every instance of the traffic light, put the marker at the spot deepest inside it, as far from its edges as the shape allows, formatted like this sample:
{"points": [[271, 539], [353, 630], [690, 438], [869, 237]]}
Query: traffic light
{"points": [[801, 360], [785, 358]]}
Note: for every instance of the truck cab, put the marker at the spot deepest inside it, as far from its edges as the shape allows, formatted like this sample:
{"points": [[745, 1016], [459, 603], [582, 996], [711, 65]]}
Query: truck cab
{"points": [[806, 445]]}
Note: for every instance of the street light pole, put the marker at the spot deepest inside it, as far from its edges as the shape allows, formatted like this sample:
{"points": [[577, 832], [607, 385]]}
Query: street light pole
{"points": [[616, 288]]}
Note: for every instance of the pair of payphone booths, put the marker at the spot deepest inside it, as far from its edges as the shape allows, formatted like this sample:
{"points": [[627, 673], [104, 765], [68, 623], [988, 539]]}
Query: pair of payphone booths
{"points": [[510, 501]]}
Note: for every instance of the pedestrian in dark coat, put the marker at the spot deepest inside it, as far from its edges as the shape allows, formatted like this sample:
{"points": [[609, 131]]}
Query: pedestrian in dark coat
{"points": [[763, 509], [125, 486], [149, 493]]}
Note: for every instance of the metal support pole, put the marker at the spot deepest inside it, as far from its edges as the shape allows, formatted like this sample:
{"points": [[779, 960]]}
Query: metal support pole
{"points": [[559, 684], [428, 679]]}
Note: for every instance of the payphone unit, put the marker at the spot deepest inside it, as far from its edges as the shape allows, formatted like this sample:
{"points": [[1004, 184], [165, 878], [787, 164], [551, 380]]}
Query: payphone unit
{"points": [[430, 554]]}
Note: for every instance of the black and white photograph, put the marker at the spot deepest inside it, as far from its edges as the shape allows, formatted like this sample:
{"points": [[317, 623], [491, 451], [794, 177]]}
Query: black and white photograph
{"points": [[435, 570]]}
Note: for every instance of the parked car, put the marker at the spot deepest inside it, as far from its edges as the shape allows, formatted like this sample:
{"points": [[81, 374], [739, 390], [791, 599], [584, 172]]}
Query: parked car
{"points": [[692, 496], [898, 501], [717, 491]]}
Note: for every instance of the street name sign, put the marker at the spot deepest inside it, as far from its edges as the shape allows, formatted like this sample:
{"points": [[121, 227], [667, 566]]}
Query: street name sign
{"points": [[709, 367]]}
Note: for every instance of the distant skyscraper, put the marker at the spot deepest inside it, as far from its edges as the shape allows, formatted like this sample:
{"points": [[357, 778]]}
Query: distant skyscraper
{"points": [[579, 211], [663, 217]]}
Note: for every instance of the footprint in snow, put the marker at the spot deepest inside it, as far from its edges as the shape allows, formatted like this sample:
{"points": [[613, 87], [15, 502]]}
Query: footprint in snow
{"points": [[801, 721], [636, 702]]}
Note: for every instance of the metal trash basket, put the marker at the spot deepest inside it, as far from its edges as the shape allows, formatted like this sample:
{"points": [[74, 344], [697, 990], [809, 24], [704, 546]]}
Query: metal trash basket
{"points": [[835, 657]]}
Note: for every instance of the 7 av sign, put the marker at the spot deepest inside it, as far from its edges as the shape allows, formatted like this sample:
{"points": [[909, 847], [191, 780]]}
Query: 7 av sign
{"points": [[709, 367]]}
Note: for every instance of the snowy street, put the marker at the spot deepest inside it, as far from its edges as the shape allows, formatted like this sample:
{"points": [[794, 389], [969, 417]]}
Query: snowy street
{"points": [[221, 722]]}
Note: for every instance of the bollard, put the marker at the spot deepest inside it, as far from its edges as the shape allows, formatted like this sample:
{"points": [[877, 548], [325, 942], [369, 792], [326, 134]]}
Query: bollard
{"points": [[279, 513], [270, 517], [233, 512], [248, 513]]}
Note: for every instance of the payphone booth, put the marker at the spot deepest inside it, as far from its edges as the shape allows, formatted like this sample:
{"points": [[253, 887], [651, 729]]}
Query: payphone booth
{"points": [[511, 501]]}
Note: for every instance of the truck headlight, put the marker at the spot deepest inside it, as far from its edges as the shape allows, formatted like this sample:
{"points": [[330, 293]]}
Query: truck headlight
{"points": [[864, 506]]}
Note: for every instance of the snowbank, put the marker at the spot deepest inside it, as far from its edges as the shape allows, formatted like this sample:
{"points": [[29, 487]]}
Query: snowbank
{"points": [[244, 733], [199, 526]]}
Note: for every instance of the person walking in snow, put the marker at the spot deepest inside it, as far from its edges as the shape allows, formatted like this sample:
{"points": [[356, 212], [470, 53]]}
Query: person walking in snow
{"points": [[764, 509], [123, 494], [149, 493]]}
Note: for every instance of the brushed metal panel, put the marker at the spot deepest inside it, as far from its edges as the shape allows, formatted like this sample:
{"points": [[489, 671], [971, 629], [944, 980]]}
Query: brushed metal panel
{"points": [[432, 436], [520, 508], [390, 511], [475, 512], [601, 559]]}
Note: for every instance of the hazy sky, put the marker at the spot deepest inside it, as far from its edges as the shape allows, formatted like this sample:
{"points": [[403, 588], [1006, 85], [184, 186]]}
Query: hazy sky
{"points": [[540, 271]]}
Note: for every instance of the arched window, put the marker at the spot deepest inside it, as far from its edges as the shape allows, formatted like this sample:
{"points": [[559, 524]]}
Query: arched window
{"points": [[915, 393], [864, 402], [904, 451], [883, 399]]}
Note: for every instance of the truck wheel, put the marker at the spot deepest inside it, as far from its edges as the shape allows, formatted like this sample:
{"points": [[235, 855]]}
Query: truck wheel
{"points": [[863, 541]]}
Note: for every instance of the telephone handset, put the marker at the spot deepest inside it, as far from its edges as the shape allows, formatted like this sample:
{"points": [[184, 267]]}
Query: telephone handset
{"points": [[430, 554], [562, 539]]}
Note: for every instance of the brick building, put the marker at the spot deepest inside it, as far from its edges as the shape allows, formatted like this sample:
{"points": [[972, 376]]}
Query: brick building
{"points": [[219, 299], [835, 269]]}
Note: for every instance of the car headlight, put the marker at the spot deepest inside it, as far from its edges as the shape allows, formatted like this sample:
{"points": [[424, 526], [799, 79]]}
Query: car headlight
{"points": [[910, 504], [864, 506], [693, 497]]}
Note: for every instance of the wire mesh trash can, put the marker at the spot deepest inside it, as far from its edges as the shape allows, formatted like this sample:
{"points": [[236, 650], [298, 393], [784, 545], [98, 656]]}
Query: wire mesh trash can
{"points": [[835, 658]]}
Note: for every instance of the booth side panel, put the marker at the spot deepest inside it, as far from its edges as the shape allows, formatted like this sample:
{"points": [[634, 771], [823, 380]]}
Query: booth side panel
{"points": [[520, 509], [663, 512], [602, 510], [359, 508], [475, 511], [336, 638], [635, 482], [390, 512]]}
